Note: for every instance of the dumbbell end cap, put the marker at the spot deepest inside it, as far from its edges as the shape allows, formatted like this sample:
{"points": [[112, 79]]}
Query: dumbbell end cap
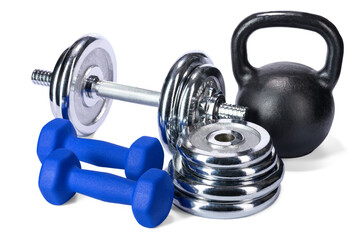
{"points": [[152, 198], [144, 154], [54, 174], [53, 136]]}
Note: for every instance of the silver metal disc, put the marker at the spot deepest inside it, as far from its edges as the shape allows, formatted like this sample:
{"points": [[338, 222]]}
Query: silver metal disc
{"points": [[223, 210], [204, 82], [225, 169], [226, 143], [222, 190], [171, 93], [90, 55], [227, 201]]}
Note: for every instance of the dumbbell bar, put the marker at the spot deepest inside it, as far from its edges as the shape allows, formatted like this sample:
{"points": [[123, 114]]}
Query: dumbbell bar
{"points": [[106, 89], [83, 83]]}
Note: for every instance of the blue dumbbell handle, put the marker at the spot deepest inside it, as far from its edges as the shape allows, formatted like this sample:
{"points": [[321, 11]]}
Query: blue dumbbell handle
{"points": [[103, 186], [98, 152]]}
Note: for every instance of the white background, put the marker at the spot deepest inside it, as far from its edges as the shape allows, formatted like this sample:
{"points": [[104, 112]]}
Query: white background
{"points": [[320, 195]]}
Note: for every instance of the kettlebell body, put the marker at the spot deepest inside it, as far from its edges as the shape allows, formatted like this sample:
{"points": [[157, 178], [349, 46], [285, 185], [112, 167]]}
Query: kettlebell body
{"points": [[293, 102], [297, 112]]}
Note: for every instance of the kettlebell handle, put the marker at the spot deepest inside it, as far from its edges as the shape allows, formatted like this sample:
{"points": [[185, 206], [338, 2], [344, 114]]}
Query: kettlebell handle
{"points": [[243, 70]]}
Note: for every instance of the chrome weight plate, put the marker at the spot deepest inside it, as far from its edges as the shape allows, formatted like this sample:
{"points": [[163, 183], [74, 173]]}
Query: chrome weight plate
{"points": [[217, 190], [226, 143], [223, 210], [225, 169], [89, 56], [171, 93]]}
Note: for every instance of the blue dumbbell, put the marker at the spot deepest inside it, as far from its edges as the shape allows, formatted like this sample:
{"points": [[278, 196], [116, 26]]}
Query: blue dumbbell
{"points": [[151, 196], [144, 153]]}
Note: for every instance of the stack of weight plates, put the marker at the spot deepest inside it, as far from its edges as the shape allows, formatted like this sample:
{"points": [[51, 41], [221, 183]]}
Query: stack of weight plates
{"points": [[225, 169]]}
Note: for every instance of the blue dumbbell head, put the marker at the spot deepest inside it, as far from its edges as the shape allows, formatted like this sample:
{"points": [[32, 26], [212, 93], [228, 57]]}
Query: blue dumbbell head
{"points": [[54, 175], [151, 196], [144, 153]]}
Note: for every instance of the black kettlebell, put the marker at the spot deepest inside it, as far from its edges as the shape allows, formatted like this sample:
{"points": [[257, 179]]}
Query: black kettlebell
{"points": [[292, 101]]}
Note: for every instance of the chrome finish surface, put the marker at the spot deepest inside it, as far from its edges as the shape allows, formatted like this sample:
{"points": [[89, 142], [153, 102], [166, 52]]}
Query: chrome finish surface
{"points": [[193, 92], [171, 93], [83, 82], [41, 77], [201, 96], [90, 55], [107, 89], [250, 144], [231, 111], [224, 210], [225, 169]]}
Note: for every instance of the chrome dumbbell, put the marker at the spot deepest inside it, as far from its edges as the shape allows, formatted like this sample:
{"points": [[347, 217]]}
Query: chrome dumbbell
{"points": [[83, 84]]}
